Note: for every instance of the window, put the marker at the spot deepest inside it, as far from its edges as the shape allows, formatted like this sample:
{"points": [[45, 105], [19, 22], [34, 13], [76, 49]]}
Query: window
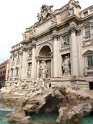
{"points": [[87, 32], [17, 71], [90, 60]]}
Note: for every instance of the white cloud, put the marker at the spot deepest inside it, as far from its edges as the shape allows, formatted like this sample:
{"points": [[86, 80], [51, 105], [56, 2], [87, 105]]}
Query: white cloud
{"points": [[16, 15]]}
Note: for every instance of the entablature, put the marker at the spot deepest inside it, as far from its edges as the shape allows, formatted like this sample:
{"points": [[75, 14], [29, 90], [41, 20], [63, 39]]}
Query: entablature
{"points": [[66, 48]]}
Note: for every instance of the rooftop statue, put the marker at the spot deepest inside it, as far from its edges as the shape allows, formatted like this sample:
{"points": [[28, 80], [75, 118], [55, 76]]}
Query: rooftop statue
{"points": [[72, 5], [32, 31], [45, 12]]}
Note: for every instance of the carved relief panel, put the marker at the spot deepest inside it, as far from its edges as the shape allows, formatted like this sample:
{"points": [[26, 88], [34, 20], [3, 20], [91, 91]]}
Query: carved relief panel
{"points": [[65, 41]]}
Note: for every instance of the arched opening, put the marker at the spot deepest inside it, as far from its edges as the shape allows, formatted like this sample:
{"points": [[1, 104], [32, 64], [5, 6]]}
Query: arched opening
{"points": [[44, 60], [45, 51]]}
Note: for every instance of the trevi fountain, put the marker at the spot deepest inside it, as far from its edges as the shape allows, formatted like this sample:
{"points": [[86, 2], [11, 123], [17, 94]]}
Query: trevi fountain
{"points": [[51, 70]]}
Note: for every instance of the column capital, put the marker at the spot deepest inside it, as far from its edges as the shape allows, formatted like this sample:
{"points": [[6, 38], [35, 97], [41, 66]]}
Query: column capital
{"points": [[75, 30], [73, 27], [29, 47], [24, 48], [33, 43], [55, 34], [78, 32]]}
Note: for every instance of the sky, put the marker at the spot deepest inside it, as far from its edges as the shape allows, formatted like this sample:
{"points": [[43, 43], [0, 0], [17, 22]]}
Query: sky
{"points": [[17, 15]]}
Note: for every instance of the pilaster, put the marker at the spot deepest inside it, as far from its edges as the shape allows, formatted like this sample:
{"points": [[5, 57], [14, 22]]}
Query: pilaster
{"points": [[37, 69], [24, 64], [74, 51], [33, 71], [56, 64], [80, 61]]}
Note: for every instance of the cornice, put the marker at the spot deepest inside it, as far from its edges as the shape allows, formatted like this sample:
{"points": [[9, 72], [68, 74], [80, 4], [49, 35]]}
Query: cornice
{"points": [[17, 49], [66, 22], [87, 17], [56, 26]]}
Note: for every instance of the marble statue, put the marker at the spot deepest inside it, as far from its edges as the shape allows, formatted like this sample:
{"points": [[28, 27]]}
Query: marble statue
{"points": [[66, 65], [29, 70], [32, 31], [43, 69], [39, 17], [45, 12], [71, 7]]}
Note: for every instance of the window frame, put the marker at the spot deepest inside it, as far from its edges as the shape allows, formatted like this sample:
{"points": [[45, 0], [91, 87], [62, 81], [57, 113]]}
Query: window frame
{"points": [[87, 31], [90, 61]]}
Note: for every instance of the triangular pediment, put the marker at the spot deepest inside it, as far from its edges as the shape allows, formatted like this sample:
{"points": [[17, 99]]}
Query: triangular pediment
{"points": [[88, 52]]}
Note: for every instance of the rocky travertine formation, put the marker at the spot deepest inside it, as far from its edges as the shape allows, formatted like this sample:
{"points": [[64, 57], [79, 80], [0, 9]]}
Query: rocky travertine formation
{"points": [[69, 101]]}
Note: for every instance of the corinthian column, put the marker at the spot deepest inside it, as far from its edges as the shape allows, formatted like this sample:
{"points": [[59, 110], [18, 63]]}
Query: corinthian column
{"points": [[24, 64], [74, 52], [56, 61], [33, 71], [37, 69]]}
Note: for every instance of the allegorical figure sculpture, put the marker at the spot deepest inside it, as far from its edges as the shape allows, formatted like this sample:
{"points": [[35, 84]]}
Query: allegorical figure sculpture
{"points": [[45, 12], [32, 31], [29, 70], [71, 7], [43, 70], [66, 66]]}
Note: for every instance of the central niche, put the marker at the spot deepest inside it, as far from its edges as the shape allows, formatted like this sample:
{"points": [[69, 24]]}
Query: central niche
{"points": [[45, 57], [45, 51]]}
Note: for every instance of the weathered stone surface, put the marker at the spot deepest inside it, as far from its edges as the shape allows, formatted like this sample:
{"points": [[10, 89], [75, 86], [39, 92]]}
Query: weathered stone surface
{"points": [[68, 101]]}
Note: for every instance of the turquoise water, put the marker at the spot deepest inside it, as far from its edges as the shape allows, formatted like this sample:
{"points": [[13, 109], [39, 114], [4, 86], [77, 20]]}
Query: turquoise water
{"points": [[86, 120], [3, 118], [45, 117]]}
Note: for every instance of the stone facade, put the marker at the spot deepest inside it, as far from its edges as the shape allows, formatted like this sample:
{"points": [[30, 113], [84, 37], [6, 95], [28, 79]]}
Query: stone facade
{"points": [[59, 46], [16, 61], [4, 72]]}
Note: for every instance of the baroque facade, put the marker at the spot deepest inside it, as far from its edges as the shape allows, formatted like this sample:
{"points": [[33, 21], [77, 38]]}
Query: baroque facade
{"points": [[59, 46]]}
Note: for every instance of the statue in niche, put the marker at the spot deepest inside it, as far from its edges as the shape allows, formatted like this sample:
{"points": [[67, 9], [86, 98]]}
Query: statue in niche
{"points": [[43, 70], [66, 66], [45, 12], [30, 53], [29, 70], [71, 7]]}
